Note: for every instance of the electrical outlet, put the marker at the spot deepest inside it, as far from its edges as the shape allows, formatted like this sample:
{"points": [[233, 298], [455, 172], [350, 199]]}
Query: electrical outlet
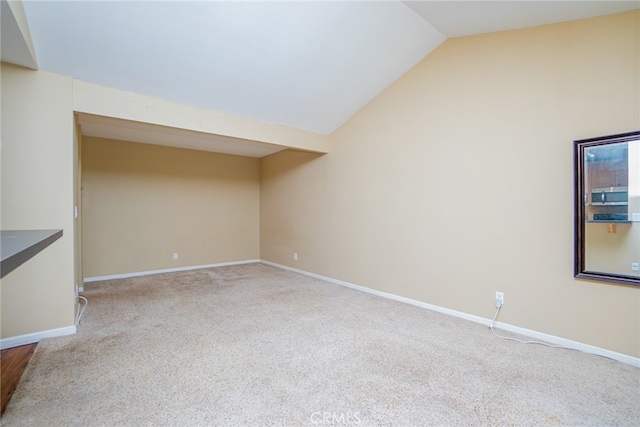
{"points": [[635, 266], [295, 256], [175, 256], [499, 299]]}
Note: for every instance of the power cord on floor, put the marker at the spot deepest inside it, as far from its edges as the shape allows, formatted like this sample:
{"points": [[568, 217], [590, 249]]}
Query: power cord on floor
{"points": [[538, 342], [521, 341], [86, 303]]}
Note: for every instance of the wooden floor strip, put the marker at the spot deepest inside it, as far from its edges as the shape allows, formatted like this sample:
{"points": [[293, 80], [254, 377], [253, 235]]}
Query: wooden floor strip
{"points": [[12, 364]]}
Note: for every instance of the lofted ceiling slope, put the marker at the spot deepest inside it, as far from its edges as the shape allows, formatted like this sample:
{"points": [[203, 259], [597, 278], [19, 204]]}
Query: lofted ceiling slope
{"points": [[308, 65], [304, 64]]}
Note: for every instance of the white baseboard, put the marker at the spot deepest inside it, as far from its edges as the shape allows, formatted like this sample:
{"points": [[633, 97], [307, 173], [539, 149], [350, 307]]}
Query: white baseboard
{"points": [[552, 339], [167, 270], [35, 337]]}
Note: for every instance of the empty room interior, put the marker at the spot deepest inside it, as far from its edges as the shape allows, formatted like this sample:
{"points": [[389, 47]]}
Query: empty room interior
{"points": [[317, 213]]}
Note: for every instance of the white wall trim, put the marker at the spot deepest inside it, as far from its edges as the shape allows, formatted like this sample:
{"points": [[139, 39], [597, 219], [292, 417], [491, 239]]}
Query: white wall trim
{"points": [[552, 339], [35, 337], [167, 270]]}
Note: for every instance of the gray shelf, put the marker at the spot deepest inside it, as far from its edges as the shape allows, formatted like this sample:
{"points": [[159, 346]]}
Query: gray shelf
{"points": [[19, 246]]}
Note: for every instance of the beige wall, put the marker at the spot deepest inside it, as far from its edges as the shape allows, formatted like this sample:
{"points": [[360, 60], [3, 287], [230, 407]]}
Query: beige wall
{"points": [[141, 203], [37, 193], [452, 184], [77, 197], [39, 167], [456, 182]]}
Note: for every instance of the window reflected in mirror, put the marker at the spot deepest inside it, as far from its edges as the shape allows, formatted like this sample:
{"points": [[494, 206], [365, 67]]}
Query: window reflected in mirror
{"points": [[608, 208]]}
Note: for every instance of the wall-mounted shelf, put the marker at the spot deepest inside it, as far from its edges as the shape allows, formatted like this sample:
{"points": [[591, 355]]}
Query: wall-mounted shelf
{"points": [[18, 246]]}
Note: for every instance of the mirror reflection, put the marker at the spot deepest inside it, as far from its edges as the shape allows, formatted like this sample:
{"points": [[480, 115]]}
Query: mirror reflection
{"points": [[610, 192]]}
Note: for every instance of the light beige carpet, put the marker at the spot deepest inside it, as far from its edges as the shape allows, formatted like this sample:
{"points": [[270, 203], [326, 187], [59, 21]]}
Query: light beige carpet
{"points": [[254, 345]]}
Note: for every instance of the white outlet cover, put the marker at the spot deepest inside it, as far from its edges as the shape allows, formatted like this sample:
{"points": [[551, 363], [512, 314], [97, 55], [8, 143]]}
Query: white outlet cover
{"points": [[635, 217]]}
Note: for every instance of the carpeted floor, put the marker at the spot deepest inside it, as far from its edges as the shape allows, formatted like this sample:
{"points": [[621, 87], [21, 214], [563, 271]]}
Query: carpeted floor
{"points": [[254, 345]]}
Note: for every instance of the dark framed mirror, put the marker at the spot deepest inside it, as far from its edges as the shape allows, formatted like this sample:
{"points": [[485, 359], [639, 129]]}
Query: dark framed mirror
{"points": [[607, 208]]}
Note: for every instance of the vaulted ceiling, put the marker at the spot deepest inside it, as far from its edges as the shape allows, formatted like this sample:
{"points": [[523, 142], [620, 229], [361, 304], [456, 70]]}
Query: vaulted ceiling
{"points": [[305, 64]]}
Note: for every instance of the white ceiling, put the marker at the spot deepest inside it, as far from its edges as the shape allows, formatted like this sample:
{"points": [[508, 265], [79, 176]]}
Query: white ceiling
{"points": [[16, 46], [305, 64], [464, 18], [308, 65]]}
